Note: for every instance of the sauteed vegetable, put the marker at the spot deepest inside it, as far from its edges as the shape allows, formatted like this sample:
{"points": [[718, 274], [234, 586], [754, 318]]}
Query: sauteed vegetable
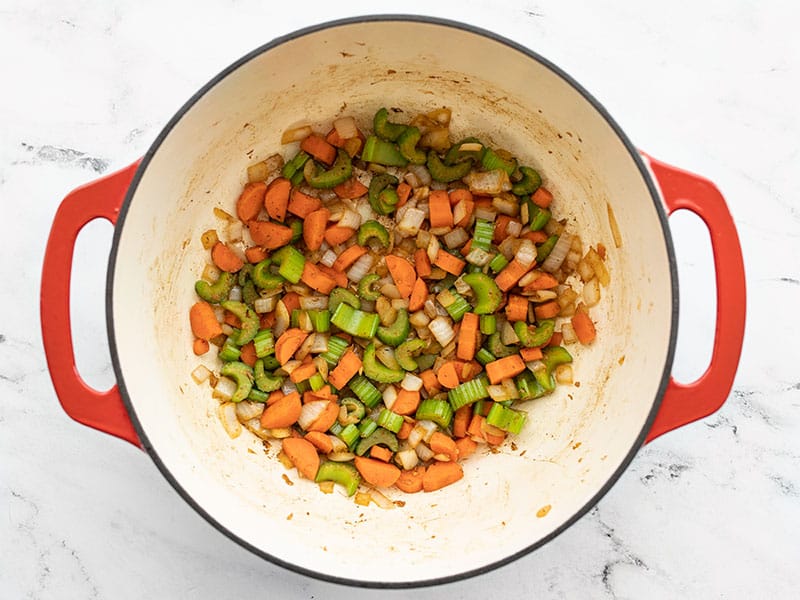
{"points": [[386, 303]]}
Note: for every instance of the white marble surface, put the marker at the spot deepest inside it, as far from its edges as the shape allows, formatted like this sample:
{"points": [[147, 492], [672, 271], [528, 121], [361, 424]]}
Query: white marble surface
{"points": [[712, 510]]}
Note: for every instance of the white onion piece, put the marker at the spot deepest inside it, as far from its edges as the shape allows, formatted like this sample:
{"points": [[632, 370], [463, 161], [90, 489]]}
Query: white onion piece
{"points": [[568, 333], [478, 256], [598, 266], [526, 253], [265, 305], [381, 500], [385, 354], [462, 287], [460, 211], [224, 389], [507, 334], [282, 319], [506, 206], [421, 173], [235, 231], [313, 302], [227, 415], [407, 459], [337, 445], [397, 304], [433, 248], [360, 268], [423, 238], [288, 386], [389, 396], [346, 127], [487, 214], [424, 453], [411, 221], [429, 427], [390, 291], [201, 374], [368, 305], [365, 210], [506, 248], [442, 330], [419, 319], [558, 254], [430, 309], [246, 410], [280, 433], [305, 348], [311, 412], [210, 273], [415, 437], [320, 343], [456, 238], [591, 292], [564, 374], [226, 329], [235, 294], [254, 425], [289, 367], [322, 366], [328, 258], [341, 456], [411, 383], [412, 180], [296, 134], [488, 183], [350, 219]]}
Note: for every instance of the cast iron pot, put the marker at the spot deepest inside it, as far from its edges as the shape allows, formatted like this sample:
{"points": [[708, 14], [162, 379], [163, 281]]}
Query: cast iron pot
{"points": [[578, 440]]}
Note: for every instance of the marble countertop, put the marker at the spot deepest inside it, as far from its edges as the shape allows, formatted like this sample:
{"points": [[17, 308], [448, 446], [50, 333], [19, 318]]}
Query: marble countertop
{"points": [[711, 510]]}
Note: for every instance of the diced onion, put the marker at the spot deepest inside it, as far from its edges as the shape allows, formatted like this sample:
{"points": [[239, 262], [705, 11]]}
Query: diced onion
{"points": [[442, 330], [224, 389], [456, 238], [346, 127], [488, 183], [433, 248], [389, 396], [558, 254], [591, 292], [227, 415], [421, 173], [211, 273], [598, 266], [209, 238], [350, 219], [282, 319], [462, 287], [201, 374], [514, 228], [385, 354], [235, 294], [314, 302], [279, 434], [487, 214], [341, 456], [360, 268], [235, 231], [226, 329], [407, 459], [411, 383], [460, 211], [564, 374], [506, 248], [429, 427], [411, 221], [296, 134], [390, 291], [310, 412], [507, 334], [526, 253], [328, 258], [381, 500], [326, 487], [265, 305], [246, 410], [305, 348], [397, 304], [415, 437], [478, 256], [320, 343], [419, 319], [568, 333], [506, 205], [424, 453], [254, 425], [288, 387]]}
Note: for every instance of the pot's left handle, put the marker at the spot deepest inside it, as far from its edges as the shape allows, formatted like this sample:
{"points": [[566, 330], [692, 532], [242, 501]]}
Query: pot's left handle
{"points": [[100, 199]]}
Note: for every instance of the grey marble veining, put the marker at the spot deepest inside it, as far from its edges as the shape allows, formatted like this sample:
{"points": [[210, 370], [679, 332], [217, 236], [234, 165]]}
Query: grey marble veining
{"points": [[709, 511]]}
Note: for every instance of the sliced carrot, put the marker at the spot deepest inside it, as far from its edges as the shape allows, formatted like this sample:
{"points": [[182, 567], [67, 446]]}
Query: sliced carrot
{"points": [[461, 421], [466, 247], [336, 234], [430, 381], [542, 197], [269, 235], [314, 278], [200, 346], [317, 147], [320, 441], [448, 262], [545, 281], [255, 254], [302, 205], [474, 430], [584, 327], [251, 200], [314, 228], [405, 430], [303, 372], [283, 413], [232, 320], [334, 139], [339, 277], [376, 472], [510, 275], [547, 310], [381, 453], [203, 321], [419, 294], [288, 343], [225, 258], [403, 193], [459, 195], [466, 447], [268, 320], [326, 420], [441, 214], [467, 207], [348, 257], [467, 336], [303, 455], [274, 397], [351, 189], [291, 300], [529, 354], [504, 368], [402, 273], [248, 354], [448, 374], [441, 474], [537, 237], [556, 339], [276, 198], [406, 402], [348, 366], [500, 227], [422, 263], [517, 308], [324, 393], [444, 444], [410, 481]]}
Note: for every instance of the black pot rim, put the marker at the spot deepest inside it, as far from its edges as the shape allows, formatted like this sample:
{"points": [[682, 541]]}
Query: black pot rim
{"points": [[635, 156]]}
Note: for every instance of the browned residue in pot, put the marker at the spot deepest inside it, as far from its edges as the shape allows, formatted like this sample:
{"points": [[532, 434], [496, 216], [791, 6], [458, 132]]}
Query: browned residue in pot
{"points": [[542, 512]]}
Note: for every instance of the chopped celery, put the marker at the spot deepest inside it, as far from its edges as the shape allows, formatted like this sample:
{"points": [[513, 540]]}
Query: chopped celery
{"points": [[345, 474], [336, 348], [379, 436], [506, 418], [484, 357], [349, 435], [291, 261], [467, 393], [264, 343], [373, 230], [339, 295], [248, 317], [488, 324], [366, 427], [406, 352], [438, 411], [382, 152], [230, 351], [544, 249], [491, 161], [366, 287], [320, 320], [390, 421], [366, 392], [530, 182], [217, 291], [487, 295], [441, 172], [385, 129], [498, 263], [483, 234], [355, 322], [378, 372], [242, 375], [396, 333], [316, 382], [340, 172]]}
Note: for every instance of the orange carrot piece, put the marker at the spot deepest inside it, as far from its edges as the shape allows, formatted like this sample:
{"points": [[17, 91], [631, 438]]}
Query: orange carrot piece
{"points": [[537, 237], [422, 263], [381, 453], [405, 430], [200, 346], [339, 277], [232, 320], [468, 208], [410, 481], [288, 343], [336, 234], [429, 381], [348, 366], [419, 294], [444, 444], [303, 372], [461, 421], [441, 474], [500, 227], [517, 308], [317, 147], [466, 247], [269, 235], [251, 200], [441, 214], [283, 413], [334, 139], [504, 368], [321, 441], [376, 472], [467, 336], [351, 189], [316, 279], [474, 430], [529, 354], [542, 197], [302, 205], [225, 258], [458, 195], [203, 321], [556, 339], [255, 254], [448, 262], [547, 310], [276, 198], [326, 419], [303, 455], [403, 193], [510, 275], [545, 281], [274, 397], [268, 320], [348, 257], [583, 326], [448, 374], [402, 273], [324, 393], [248, 354], [291, 300], [406, 402], [466, 447], [314, 228]]}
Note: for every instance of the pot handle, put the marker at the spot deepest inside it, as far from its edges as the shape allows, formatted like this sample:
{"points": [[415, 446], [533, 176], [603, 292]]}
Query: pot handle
{"points": [[685, 403], [101, 410]]}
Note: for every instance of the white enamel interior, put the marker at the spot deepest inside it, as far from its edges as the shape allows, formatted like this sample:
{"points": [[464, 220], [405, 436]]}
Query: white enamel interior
{"points": [[575, 438]]}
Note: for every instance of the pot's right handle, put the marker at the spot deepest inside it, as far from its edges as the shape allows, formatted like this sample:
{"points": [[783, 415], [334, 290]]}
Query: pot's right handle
{"points": [[101, 410], [684, 403]]}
